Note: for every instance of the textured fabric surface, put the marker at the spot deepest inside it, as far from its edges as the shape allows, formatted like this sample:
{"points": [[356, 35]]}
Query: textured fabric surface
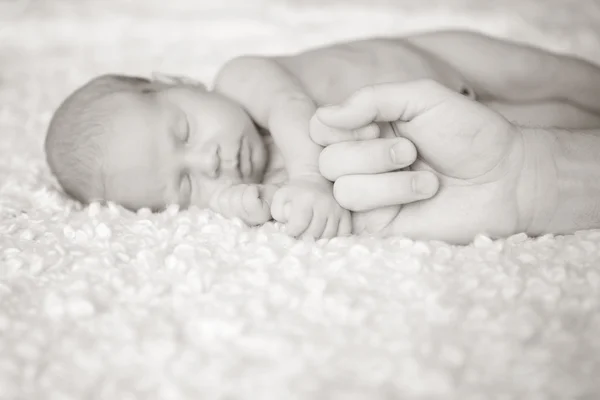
{"points": [[99, 303]]}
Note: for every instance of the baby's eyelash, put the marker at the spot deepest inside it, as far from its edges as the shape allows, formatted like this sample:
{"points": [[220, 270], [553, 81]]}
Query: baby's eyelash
{"points": [[186, 129], [181, 127]]}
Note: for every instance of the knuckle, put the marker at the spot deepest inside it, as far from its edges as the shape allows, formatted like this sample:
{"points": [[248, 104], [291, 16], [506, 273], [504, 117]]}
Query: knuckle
{"points": [[317, 131], [342, 193], [326, 164], [370, 131], [279, 195], [408, 152], [253, 191]]}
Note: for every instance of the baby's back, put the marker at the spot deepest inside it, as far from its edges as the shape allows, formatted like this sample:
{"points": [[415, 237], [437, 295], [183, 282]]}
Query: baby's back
{"points": [[332, 73]]}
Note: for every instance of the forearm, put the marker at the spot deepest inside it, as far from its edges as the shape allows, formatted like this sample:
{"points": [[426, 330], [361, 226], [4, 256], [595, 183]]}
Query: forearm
{"points": [[547, 114], [277, 101], [289, 125], [563, 168], [503, 70], [582, 83]]}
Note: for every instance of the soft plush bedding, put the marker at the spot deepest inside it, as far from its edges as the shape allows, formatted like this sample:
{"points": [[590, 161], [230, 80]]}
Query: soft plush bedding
{"points": [[99, 303]]}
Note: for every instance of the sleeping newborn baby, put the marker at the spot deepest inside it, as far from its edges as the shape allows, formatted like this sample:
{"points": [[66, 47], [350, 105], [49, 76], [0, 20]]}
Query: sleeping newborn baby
{"points": [[243, 149]]}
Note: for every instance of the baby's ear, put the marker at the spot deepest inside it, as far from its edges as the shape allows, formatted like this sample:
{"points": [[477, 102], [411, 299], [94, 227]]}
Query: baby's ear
{"points": [[176, 80]]}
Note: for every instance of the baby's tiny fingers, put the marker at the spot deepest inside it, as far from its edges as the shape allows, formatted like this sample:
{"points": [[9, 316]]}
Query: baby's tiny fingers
{"points": [[257, 209], [317, 225], [345, 226], [267, 192], [280, 198], [299, 220], [231, 201], [219, 202], [331, 228], [325, 135], [250, 199]]}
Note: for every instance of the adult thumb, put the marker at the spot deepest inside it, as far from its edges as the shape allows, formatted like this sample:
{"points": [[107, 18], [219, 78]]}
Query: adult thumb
{"points": [[386, 102]]}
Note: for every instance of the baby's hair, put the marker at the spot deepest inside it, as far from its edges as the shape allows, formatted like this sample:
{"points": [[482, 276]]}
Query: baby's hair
{"points": [[74, 142]]}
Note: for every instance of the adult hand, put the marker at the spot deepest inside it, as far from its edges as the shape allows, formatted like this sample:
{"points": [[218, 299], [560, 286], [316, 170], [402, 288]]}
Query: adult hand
{"points": [[477, 156]]}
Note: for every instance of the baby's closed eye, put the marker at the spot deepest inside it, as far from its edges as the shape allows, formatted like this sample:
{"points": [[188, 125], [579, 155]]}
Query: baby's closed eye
{"points": [[181, 129]]}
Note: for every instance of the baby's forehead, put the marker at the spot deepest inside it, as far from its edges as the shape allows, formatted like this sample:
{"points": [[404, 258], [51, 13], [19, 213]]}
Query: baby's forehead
{"points": [[125, 101], [131, 150], [124, 109]]}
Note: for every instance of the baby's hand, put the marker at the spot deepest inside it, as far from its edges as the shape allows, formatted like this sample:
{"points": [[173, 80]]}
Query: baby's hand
{"points": [[307, 206], [250, 203]]}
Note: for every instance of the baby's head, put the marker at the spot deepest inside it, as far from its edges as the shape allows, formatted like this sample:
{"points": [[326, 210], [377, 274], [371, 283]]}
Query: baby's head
{"points": [[150, 143]]}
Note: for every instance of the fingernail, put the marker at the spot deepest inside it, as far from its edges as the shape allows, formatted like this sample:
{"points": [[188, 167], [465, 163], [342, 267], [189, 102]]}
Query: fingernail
{"points": [[401, 153], [424, 184]]}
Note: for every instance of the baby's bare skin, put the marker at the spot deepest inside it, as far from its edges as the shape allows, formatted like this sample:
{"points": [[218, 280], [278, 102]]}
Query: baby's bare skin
{"points": [[169, 140], [528, 86], [331, 74]]}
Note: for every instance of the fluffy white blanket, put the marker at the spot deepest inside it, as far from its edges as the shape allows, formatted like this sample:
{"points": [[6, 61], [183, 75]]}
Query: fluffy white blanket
{"points": [[103, 304]]}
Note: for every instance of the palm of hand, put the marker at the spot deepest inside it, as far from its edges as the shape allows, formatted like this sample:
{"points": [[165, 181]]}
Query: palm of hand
{"points": [[459, 211], [478, 163]]}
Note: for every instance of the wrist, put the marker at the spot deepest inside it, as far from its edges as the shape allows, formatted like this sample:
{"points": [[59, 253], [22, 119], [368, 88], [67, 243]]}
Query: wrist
{"points": [[309, 175], [304, 169], [537, 190], [566, 179]]}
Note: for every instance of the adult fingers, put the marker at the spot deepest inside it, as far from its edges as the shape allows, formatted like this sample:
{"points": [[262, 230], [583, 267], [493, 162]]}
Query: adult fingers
{"points": [[367, 157], [256, 210], [384, 102], [324, 135], [367, 192]]}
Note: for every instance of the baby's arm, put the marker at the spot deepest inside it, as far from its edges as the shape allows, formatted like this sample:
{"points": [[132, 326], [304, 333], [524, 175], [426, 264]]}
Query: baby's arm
{"points": [[505, 71], [547, 115], [276, 100]]}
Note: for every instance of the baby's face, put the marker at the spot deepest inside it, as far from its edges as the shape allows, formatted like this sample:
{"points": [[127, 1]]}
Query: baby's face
{"points": [[178, 146]]}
